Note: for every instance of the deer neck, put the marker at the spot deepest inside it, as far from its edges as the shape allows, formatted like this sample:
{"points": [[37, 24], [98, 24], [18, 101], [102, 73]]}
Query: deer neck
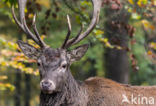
{"points": [[70, 94]]}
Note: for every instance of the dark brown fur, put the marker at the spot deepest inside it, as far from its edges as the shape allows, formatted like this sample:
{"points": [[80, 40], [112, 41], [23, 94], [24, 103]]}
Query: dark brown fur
{"points": [[105, 92], [96, 91]]}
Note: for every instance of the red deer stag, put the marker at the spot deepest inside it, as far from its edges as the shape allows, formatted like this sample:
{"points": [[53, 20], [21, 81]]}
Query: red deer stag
{"points": [[59, 88]]}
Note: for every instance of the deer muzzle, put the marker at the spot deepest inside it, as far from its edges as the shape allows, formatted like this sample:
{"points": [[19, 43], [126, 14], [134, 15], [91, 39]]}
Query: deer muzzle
{"points": [[47, 86]]}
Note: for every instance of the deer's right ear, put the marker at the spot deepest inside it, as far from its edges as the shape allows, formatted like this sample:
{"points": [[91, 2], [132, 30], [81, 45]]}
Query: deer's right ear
{"points": [[29, 50], [77, 53]]}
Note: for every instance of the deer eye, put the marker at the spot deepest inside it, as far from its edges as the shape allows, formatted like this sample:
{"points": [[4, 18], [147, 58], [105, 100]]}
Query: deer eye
{"points": [[64, 65], [38, 64]]}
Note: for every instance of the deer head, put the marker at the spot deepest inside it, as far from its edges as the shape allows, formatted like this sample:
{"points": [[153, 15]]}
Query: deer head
{"points": [[53, 63]]}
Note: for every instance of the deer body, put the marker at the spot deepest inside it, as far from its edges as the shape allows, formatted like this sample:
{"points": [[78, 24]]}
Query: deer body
{"points": [[105, 92], [97, 91], [58, 87]]}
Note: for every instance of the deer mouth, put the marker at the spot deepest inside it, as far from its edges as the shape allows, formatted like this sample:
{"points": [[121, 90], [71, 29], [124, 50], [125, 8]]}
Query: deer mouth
{"points": [[47, 91], [47, 86]]}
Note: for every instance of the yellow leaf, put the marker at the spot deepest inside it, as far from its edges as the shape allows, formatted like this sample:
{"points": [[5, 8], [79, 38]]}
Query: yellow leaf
{"points": [[152, 27], [36, 73], [105, 39], [99, 32], [31, 16], [146, 23], [25, 10], [5, 86], [149, 52], [3, 63], [130, 10], [154, 2], [3, 77], [153, 45], [43, 37], [119, 47], [131, 2], [141, 3], [45, 3]]}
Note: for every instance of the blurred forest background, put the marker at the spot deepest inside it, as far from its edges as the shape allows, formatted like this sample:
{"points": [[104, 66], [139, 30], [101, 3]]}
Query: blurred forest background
{"points": [[122, 47]]}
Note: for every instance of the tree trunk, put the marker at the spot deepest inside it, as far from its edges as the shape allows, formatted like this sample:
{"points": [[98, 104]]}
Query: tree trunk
{"points": [[18, 88], [117, 65], [17, 97], [27, 90]]}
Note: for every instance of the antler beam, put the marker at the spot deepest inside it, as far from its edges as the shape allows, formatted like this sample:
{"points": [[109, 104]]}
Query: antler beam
{"points": [[95, 16], [23, 25]]}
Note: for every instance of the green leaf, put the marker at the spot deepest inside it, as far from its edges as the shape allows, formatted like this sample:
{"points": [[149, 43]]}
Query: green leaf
{"points": [[135, 16], [85, 3]]}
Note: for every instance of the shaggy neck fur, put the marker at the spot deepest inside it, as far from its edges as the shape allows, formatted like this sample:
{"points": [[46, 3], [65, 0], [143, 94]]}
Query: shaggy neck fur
{"points": [[72, 94]]}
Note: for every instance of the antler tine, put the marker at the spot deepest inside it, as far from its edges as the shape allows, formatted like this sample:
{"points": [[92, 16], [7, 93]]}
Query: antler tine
{"points": [[69, 32], [16, 20], [74, 39], [22, 23], [92, 25], [29, 33], [36, 31]]}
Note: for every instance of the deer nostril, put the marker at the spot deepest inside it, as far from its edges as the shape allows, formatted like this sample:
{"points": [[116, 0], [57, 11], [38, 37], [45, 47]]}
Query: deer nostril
{"points": [[46, 84]]}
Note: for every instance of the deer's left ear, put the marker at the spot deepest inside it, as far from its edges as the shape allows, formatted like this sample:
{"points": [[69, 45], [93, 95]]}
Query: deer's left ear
{"points": [[78, 52], [29, 50]]}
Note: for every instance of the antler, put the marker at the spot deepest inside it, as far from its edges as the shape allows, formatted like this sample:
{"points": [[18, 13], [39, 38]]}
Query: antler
{"points": [[22, 24], [95, 16], [69, 32]]}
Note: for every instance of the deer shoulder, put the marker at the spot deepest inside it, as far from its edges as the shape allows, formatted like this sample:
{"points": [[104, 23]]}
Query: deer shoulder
{"points": [[102, 91]]}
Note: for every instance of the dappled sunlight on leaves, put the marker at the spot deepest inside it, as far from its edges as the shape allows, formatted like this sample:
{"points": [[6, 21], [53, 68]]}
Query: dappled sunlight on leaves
{"points": [[141, 3], [148, 25], [105, 41], [5, 86], [3, 77], [10, 57], [152, 45]]}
